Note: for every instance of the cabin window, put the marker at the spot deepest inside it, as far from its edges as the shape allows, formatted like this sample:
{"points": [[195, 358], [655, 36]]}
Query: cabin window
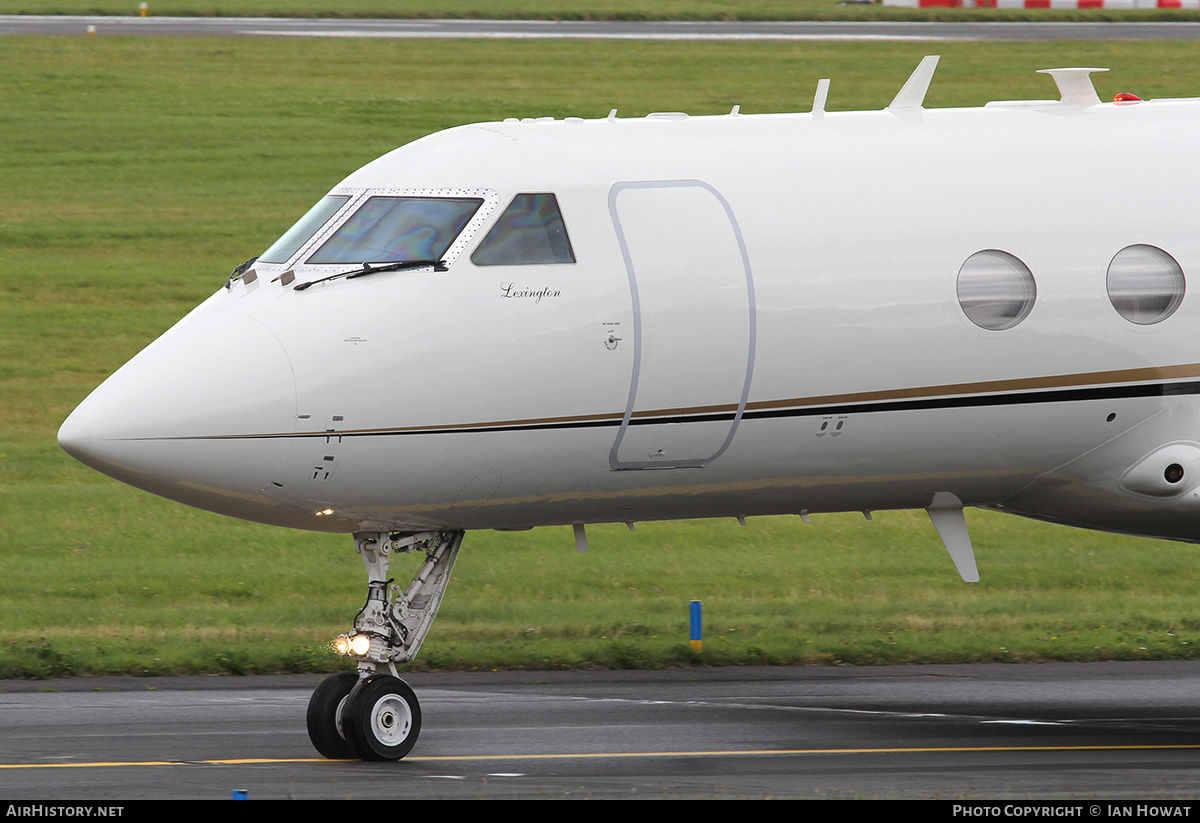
{"points": [[395, 229], [283, 249], [529, 233], [1145, 284], [995, 289]]}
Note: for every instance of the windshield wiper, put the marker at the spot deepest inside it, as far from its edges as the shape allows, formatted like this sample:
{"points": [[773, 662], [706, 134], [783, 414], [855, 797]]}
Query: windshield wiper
{"points": [[238, 271], [367, 268]]}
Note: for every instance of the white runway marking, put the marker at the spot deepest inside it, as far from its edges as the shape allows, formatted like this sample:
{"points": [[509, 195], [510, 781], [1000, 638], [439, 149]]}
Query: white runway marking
{"points": [[565, 35], [762, 31]]}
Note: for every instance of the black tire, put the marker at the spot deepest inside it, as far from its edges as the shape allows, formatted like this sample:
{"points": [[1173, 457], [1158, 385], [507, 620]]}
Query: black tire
{"points": [[381, 719], [322, 716]]}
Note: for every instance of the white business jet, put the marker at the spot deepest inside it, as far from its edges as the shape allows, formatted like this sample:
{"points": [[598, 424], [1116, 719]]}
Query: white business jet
{"points": [[550, 322]]}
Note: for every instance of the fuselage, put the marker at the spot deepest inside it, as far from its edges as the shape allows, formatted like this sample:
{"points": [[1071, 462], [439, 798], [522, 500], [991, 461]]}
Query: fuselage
{"points": [[762, 314]]}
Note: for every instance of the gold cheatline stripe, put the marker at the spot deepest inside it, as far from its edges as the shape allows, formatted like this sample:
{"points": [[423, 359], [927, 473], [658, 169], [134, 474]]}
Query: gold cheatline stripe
{"points": [[948, 389], [1057, 381], [600, 755], [1018, 384]]}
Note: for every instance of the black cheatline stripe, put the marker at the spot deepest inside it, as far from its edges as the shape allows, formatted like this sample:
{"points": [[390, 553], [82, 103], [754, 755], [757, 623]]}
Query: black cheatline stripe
{"points": [[1173, 389], [976, 401], [867, 407]]}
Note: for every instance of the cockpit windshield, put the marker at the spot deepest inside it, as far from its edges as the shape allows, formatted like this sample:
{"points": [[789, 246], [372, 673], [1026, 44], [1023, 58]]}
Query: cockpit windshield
{"points": [[529, 232], [395, 229], [285, 247]]}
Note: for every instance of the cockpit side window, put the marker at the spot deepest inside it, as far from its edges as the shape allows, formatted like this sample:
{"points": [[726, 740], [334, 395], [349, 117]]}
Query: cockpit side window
{"points": [[283, 249], [395, 229], [530, 232]]}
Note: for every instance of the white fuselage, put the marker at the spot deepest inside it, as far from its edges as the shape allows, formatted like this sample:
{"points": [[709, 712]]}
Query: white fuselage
{"points": [[762, 317]]}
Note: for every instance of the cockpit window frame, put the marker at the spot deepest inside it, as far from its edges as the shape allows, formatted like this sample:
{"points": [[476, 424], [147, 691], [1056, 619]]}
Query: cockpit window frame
{"points": [[562, 250], [359, 196], [336, 218], [392, 229]]}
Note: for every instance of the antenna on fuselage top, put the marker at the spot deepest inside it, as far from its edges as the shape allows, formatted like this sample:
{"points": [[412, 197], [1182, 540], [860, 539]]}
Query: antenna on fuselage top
{"points": [[1074, 85], [912, 94], [818, 109]]}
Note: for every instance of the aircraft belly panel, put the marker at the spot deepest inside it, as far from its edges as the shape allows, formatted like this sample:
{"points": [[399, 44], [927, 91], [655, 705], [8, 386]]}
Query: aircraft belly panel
{"points": [[548, 476]]}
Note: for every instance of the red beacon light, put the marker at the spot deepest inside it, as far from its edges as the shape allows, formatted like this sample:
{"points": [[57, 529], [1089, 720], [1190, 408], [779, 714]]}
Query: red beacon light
{"points": [[1126, 97]]}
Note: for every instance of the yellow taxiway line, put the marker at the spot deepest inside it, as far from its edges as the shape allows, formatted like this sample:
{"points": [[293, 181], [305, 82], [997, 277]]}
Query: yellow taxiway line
{"points": [[601, 755]]}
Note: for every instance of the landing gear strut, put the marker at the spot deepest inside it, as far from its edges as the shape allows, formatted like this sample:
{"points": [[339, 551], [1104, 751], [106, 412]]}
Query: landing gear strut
{"points": [[373, 715]]}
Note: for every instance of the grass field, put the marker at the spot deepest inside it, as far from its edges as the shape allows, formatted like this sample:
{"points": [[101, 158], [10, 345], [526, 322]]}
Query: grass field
{"points": [[573, 10], [136, 172]]}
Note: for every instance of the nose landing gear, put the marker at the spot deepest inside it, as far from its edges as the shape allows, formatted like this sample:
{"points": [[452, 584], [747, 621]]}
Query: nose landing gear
{"points": [[375, 716]]}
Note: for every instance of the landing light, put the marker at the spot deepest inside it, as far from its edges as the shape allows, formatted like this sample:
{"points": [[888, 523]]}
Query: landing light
{"points": [[357, 645]]}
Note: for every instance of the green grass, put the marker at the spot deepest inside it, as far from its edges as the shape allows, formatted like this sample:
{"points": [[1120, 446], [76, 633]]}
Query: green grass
{"points": [[136, 172], [573, 10]]}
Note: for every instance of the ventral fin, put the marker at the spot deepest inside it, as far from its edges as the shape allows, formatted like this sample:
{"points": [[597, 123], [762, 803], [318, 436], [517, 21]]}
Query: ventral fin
{"points": [[946, 512]]}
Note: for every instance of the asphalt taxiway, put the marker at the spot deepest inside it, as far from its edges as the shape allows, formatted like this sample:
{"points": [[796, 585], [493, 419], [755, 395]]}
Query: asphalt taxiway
{"points": [[972, 732], [590, 29]]}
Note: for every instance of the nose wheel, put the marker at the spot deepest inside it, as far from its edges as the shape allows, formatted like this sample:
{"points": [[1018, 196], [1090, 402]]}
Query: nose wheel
{"points": [[375, 718], [382, 718]]}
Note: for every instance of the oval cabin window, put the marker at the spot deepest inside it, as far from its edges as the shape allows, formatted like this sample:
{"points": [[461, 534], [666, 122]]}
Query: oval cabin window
{"points": [[995, 290], [1145, 284]]}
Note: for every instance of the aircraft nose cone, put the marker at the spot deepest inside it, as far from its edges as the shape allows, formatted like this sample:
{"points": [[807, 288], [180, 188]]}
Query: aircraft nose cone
{"points": [[201, 415], [75, 435]]}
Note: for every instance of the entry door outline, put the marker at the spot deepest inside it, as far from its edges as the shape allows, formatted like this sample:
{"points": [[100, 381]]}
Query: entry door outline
{"points": [[614, 460]]}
